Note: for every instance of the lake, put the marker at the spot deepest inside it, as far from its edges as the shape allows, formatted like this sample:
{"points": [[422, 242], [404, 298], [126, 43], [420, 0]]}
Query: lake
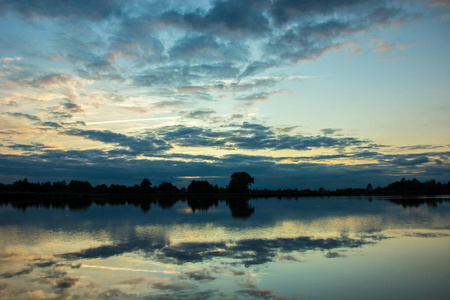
{"points": [[313, 248]]}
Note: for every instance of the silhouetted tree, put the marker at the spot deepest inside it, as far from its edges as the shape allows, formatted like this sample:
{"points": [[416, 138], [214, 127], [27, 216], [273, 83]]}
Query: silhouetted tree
{"points": [[117, 189], [200, 187], [240, 182], [26, 186], [59, 186], [46, 187], [369, 187], [78, 186], [145, 185], [101, 189], [167, 188]]}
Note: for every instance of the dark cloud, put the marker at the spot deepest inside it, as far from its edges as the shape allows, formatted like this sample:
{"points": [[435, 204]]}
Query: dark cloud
{"points": [[71, 106], [133, 41], [331, 254], [330, 131], [427, 234], [65, 283], [222, 70], [285, 11], [260, 96], [233, 87], [200, 275], [60, 115], [22, 115], [200, 114], [309, 39], [24, 271], [224, 18], [239, 273], [165, 76], [134, 281], [420, 147], [114, 294], [44, 263], [36, 120], [148, 145], [256, 67], [173, 286], [289, 258], [50, 124], [252, 136], [187, 293], [259, 293], [400, 161], [52, 274], [207, 48], [73, 9]]}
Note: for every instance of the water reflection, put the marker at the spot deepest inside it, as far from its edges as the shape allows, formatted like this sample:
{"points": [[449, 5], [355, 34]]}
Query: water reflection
{"points": [[239, 207], [337, 248]]}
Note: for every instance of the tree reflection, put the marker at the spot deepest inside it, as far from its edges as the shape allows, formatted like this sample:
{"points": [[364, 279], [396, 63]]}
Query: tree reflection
{"points": [[202, 204], [240, 208]]}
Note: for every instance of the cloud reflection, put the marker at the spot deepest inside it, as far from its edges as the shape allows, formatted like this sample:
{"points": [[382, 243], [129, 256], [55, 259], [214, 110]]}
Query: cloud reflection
{"points": [[246, 252]]}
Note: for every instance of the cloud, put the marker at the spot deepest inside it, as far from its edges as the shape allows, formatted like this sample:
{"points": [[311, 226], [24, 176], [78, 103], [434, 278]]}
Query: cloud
{"points": [[206, 48], [330, 131], [261, 294], [256, 67], [200, 114], [331, 254], [290, 258], [246, 252], [73, 9], [120, 165], [239, 273], [147, 145], [420, 147], [400, 161], [106, 251], [200, 275], [50, 124], [386, 47], [172, 286], [439, 2], [133, 281], [22, 115], [224, 18], [260, 96], [71, 106], [114, 294], [24, 271], [252, 136], [51, 79]]}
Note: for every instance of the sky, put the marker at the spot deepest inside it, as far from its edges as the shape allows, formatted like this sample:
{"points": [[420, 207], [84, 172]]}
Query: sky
{"points": [[299, 94]]}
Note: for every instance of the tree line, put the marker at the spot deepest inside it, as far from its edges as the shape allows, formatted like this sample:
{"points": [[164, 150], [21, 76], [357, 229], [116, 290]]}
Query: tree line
{"points": [[239, 183]]}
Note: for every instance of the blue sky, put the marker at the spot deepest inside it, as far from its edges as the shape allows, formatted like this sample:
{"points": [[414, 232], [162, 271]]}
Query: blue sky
{"points": [[300, 94]]}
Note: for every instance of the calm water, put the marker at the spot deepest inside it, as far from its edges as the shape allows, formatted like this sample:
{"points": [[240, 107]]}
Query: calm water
{"points": [[315, 248]]}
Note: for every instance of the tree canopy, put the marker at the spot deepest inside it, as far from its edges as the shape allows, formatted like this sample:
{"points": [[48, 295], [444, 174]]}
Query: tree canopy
{"points": [[240, 182]]}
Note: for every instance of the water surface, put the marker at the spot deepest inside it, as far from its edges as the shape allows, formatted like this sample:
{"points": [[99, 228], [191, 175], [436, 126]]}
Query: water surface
{"points": [[315, 248]]}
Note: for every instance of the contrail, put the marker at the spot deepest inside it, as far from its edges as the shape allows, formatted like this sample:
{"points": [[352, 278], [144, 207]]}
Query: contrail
{"points": [[133, 120]]}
